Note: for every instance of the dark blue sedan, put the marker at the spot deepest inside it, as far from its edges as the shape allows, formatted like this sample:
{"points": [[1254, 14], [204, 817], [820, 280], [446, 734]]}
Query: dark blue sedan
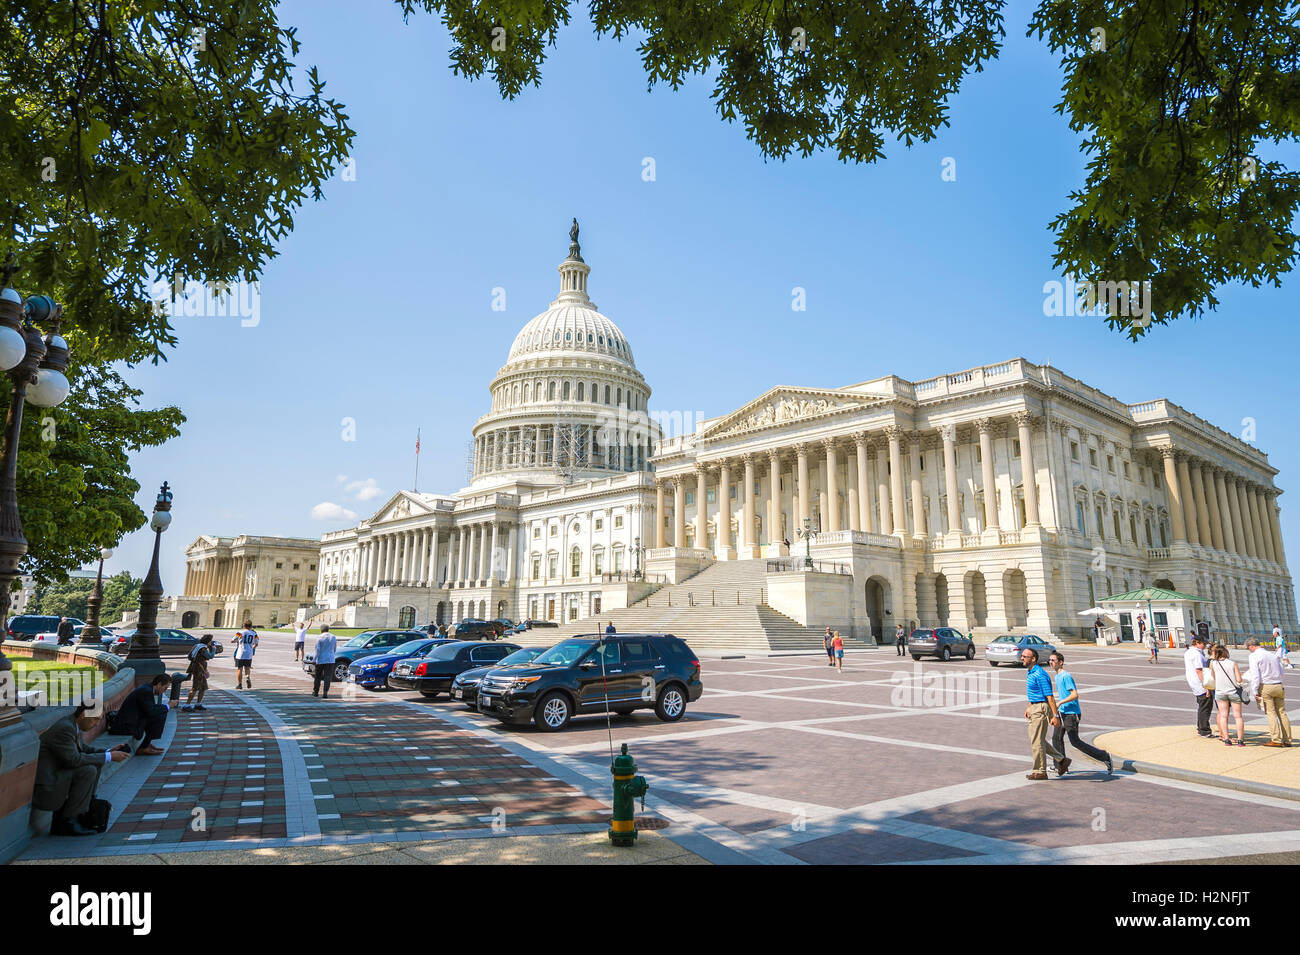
{"points": [[372, 672]]}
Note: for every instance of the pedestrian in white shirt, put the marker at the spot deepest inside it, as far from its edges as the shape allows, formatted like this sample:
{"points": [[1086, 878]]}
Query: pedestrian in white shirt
{"points": [[1266, 683], [1194, 664], [326, 648], [299, 638], [1279, 645]]}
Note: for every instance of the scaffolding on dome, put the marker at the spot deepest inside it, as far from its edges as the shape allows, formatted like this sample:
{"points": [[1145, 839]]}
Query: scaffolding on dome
{"points": [[570, 452], [471, 469]]}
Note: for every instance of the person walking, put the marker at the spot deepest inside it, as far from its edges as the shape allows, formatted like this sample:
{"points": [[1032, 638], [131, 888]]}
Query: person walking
{"points": [[1265, 676], [1067, 704], [198, 670], [900, 640], [1040, 711], [1153, 644], [1230, 692], [837, 644], [66, 636], [245, 647], [1194, 666], [1279, 644], [325, 651], [828, 642], [299, 639]]}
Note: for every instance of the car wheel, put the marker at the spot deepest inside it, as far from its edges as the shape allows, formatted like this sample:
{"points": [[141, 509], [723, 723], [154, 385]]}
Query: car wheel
{"points": [[671, 705], [341, 672], [970, 652], [429, 694], [916, 657], [553, 712], [945, 654], [993, 663]]}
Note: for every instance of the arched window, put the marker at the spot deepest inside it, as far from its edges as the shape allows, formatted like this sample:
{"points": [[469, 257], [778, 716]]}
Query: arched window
{"points": [[619, 398], [607, 394], [564, 396], [595, 392], [581, 391], [550, 392], [525, 392], [575, 562]]}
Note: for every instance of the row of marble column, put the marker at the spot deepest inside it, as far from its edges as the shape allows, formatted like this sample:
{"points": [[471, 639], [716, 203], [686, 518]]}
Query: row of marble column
{"points": [[410, 558], [214, 576], [541, 446], [1212, 507], [874, 483]]}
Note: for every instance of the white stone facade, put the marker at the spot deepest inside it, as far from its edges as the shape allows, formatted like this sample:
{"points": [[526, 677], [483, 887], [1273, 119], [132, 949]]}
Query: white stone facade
{"points": [[1007, 496]]}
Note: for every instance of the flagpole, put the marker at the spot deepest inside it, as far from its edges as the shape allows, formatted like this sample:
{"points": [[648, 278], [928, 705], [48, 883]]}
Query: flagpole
{"points": [[416, 488]]}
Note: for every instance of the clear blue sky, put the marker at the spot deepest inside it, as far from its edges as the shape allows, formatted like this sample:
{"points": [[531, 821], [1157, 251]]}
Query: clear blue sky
{"points": [[379, 305]]}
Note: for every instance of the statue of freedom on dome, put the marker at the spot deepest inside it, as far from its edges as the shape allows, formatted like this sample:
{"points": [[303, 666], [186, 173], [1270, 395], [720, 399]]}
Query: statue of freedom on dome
{"points": [[575, 252]]}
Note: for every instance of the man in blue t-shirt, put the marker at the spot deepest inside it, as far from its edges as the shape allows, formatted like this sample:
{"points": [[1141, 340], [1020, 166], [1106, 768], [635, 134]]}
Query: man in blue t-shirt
{"points": [[1040, 711], [1067, 696]]}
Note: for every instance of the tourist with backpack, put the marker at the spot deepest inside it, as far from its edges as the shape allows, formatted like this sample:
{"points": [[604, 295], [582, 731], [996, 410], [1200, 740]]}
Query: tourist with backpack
{"points": [[245, 647], [198, 671]]}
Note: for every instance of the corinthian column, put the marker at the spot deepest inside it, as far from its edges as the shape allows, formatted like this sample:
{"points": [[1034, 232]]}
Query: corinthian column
{"points": [[1189, 503], [679, 512], [895, 436], [1028, 475], [1175, 493], [985, 427], [747, 540], [804, 486], [1275, 525], [1261, 542], [865, 480], [660, 514], [949, 434], [832, 486], [774, 501], [701, 508], [918, 497], [1202, 509], [724, 511], [1225, 512], [1212, 507], [882, 492]]}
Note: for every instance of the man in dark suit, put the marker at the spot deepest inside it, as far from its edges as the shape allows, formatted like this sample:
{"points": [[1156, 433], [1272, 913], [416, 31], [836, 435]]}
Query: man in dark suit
{"points": [[65, 633], [144, 713], [67, 772]]}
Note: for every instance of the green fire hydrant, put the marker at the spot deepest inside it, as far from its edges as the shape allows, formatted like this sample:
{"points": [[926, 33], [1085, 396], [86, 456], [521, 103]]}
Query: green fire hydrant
{"points": [[627, 787]]}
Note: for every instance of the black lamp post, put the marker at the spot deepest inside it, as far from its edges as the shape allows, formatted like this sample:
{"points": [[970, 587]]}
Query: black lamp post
{"points": [[636, 550], [807, 534], [90, 632], [35, 367], [144, 642]]}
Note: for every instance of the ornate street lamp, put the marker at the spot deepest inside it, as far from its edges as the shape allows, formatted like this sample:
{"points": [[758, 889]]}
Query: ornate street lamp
{"points": [[807, 535], [35, 367], [90, 632], [144, 642], [636, 550]]}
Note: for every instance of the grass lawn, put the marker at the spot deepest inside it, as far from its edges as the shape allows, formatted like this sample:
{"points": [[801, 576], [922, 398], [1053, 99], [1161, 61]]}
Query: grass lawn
{"points": [[337, 631]]}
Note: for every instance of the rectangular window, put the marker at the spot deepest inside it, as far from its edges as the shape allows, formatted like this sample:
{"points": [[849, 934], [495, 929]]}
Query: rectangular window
{"points": [[537, 568], [275, 590], [293, 590], [921, 458], [732, 490], [1110, 463], [279, 565], [618, 520], [690, 498], [311, 591], [1155, 480], [600, 523], [555, 530], [296, 566], [618, 561], [1074, 451], [598, 563], [1015, 447], [979, 454], [575, 564], [537, 532], [1101, 528], [711, 495], [1126, 474], [1092, 456], [554, 567]]}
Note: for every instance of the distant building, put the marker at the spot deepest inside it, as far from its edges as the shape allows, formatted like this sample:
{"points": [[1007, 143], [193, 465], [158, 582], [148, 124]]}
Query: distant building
{"points": [[232, 579]]}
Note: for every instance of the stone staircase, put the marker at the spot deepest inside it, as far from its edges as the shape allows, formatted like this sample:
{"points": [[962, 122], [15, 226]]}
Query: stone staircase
{"points": [[728, 613]]}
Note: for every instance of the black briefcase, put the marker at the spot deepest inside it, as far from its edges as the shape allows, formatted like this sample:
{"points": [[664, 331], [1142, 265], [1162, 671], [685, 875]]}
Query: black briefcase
{"points": [[96, 817]]}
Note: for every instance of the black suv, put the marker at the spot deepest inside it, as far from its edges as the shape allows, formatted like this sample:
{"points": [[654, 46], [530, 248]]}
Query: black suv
{"points": [[470, 629], [27, 625], [595, 673]]}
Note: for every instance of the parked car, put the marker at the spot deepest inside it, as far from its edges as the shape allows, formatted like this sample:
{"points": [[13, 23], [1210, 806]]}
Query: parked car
{"points": [[432, 673], [472, 629], [1007, 649], [593, 674], [942, 642], [26, 626], [368, 644], [464, 688], [372, 672], [531, 624], [433, 629], [171, 643]]}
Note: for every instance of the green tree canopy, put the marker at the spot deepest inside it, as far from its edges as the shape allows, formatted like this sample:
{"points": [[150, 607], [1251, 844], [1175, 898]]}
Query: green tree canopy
{"points": [[69, 597], [139, 140], [1171, 99]]}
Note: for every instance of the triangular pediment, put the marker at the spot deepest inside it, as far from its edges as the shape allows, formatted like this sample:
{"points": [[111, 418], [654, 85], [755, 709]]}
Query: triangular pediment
{"points": [[783, 404], [401, 506]]}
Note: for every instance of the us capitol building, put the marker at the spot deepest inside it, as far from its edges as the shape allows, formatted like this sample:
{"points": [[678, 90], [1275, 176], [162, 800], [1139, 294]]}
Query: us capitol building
{"points": [[1003, 497]]}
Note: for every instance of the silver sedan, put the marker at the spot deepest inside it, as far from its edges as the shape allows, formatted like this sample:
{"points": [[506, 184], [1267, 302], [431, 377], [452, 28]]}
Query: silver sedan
{"points": [[1007, 649]]}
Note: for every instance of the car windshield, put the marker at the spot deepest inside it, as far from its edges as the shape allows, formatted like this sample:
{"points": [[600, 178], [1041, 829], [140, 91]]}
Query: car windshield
{"points": [[520, 656], [566, 653], [360, 640], [411, 646]]}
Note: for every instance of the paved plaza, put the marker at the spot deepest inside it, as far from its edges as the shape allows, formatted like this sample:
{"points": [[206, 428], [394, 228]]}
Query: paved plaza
{"points": [[783, 760]]}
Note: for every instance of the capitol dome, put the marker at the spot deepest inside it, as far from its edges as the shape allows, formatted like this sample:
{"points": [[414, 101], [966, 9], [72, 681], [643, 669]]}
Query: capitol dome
{"points": [[569, 400]]}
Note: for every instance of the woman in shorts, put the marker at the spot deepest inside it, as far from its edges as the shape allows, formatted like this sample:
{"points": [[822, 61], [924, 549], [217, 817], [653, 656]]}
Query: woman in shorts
{"points": [[1229, 691], [837, 644]]}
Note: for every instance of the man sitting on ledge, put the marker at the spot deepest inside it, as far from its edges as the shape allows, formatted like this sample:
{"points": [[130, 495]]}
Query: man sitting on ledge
{"points": [[67, 772], [144, 713]]}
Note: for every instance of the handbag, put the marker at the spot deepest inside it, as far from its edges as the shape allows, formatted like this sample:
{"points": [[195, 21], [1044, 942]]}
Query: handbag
{"points": [[96, 817], [1242, 696]]}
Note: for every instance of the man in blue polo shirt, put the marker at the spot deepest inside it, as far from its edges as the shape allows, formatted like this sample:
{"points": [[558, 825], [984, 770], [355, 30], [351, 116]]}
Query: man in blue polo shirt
{"points": [[1041, 712], [1067, 694]]}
